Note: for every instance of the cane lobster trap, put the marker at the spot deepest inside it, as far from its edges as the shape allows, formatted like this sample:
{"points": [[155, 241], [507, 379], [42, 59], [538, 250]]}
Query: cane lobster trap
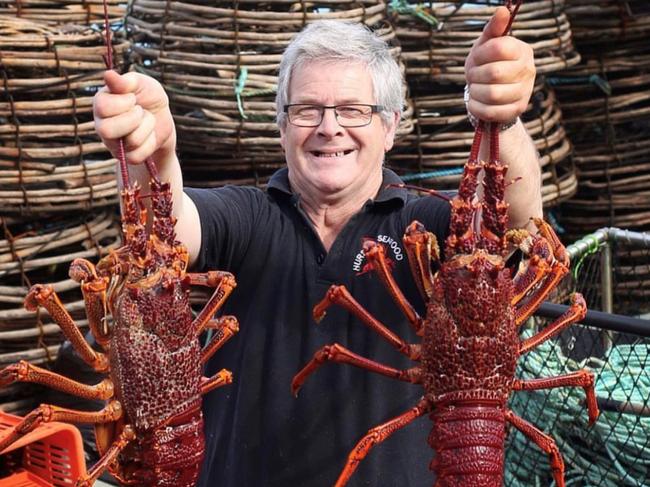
{"points": [[611, 268]]}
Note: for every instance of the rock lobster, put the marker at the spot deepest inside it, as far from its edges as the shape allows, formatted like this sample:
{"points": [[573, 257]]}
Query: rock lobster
{"points": [[150, 432], [137, 300], [470, 345]]}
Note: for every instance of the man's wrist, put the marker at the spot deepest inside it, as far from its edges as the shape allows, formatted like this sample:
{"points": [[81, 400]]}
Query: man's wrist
{"points": [[474, 121]]}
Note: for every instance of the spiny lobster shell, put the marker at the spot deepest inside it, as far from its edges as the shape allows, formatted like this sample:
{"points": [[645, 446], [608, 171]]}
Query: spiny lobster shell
{"points": [[155, 356], [470, 345]]}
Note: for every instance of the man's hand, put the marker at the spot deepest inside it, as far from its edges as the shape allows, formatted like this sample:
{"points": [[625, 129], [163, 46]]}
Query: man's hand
{"points": [[135, 107], [500, 73]]}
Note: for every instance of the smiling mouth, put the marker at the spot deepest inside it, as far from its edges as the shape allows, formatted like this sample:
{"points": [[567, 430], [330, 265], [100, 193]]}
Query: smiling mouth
{"points": [[331, 154]]}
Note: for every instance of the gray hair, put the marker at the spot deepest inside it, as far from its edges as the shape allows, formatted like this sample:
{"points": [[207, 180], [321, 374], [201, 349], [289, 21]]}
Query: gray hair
{"points": [[334, 40]]}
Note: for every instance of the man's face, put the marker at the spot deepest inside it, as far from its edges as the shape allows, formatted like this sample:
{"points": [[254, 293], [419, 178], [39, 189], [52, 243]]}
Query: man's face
{"points": [[331, 159]]}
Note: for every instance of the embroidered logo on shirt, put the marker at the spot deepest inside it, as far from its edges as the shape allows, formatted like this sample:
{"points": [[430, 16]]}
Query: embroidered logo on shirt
{"points": [[389, 243]]}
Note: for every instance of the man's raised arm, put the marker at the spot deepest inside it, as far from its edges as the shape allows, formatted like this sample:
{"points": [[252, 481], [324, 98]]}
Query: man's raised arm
{"points": [[500, 74], [135, 107]]}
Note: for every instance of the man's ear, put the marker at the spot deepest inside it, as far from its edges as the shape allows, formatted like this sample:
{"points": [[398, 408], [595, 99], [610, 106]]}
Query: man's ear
{"points": [[389, 138]]}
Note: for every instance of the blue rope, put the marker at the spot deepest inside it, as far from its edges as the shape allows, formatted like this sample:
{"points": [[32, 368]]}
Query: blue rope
{"points": [[552, 219], [594, 79], [432, 174]]}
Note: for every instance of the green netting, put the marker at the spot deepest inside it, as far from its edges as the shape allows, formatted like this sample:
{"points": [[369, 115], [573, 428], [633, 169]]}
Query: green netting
{"points": [[615, 451]]}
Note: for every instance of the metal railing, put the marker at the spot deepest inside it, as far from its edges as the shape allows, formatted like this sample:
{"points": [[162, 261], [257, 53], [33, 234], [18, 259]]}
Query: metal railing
{"points": [[602, 241]]}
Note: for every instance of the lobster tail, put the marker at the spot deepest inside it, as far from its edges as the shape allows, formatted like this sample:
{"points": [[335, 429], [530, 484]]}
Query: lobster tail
{"points": [[469, 445], [173, 454]]}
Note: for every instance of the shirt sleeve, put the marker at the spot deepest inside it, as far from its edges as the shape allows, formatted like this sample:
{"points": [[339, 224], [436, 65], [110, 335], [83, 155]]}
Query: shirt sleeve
{"points": [[227, 217]]}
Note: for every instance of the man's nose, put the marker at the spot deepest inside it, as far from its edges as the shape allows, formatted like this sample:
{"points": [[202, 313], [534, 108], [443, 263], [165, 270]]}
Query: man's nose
{"points": [[329, 125]]}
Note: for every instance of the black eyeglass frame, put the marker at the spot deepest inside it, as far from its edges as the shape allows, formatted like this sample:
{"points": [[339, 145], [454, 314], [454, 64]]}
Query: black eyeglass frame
{"points": [[373, 109]]}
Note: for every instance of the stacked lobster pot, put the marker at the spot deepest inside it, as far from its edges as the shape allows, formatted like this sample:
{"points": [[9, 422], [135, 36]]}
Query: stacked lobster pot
{"points": [[436, 38], [76, 12], [58, 192], [606, 103], [218, 62]]}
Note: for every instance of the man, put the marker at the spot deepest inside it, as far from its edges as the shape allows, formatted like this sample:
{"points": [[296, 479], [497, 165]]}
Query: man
{"points": [[339, 101]]}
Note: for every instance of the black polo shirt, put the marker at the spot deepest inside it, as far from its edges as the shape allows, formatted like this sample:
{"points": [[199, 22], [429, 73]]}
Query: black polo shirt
{"points": [[257, 433]]}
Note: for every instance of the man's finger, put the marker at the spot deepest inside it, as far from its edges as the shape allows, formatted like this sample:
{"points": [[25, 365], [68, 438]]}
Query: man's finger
{"points": [[501, 72], [499, 49], [120, 84], [496, 25], [491, 94], [121, 125], [108, 104]]}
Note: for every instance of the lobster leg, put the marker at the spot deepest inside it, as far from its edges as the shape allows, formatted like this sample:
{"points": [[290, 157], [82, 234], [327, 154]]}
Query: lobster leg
{"points": [[340, 354], [221, 378], [548, 256], [536, 267], [377, 435], [224, 283], [526, 309], [581, 378], [341, 296], [376, 258], [559, 251], [225, 328], [46, 413], [44, 295], [421, 248], [93, 289], [126, 436], [545, 442], [23, 371], [575, 313]]}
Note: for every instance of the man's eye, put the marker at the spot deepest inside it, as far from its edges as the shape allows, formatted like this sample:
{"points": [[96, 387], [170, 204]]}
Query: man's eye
{"points": [[307, 112], [350, 111]]}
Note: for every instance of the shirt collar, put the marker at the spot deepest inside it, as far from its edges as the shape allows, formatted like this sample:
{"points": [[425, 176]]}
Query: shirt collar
{"points": [[279, 183]]}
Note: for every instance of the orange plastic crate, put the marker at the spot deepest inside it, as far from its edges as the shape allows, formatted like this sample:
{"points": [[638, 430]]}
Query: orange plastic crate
{"points": [[52, 455]]}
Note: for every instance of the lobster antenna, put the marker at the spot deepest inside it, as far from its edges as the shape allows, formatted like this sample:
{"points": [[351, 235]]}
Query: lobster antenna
{"points": [[430, 192], [476, 142], [108, 59], [513, 14], [494, 141]]}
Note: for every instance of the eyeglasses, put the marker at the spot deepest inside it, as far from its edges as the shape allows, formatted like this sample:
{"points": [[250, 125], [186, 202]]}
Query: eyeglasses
{"points": [[348, 115]]}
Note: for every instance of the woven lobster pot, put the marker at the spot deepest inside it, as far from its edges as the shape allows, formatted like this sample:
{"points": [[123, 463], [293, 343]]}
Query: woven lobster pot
{"points": [[632, 274], [38, 252], [218, 62], [606, 102], [51, 160], [436, 151], [614, 187], [81, 12], [613, 89], [602, 24], [437, 36]]}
